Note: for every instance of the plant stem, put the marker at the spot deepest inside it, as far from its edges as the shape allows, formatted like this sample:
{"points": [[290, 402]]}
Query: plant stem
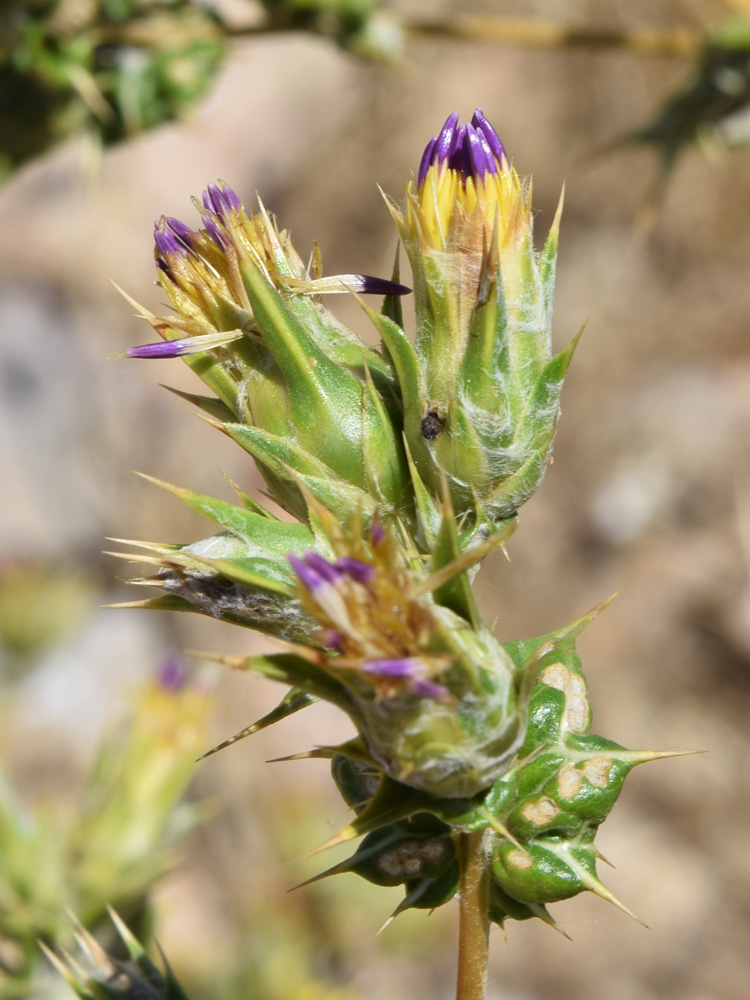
{"points": [[474, 924], [523, 32], [528, 32]]}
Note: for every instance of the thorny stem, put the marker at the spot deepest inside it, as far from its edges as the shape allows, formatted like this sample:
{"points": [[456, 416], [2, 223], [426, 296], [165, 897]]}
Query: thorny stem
{"points": [[474, 924]]}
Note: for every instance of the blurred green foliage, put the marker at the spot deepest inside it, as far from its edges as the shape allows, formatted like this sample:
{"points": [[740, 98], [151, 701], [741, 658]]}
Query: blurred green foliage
{"points": [[106, 978], [358, 26], [115, 68], [112, 68], [40, 605], [714, 104], [111, 844]]}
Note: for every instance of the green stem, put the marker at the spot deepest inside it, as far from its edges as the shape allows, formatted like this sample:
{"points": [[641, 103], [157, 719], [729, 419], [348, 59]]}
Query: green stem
{"points": [[474, 924]]}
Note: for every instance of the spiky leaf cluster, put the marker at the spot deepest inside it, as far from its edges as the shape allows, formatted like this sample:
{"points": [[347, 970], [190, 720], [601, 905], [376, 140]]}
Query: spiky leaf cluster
{"points": [[540, 816]]}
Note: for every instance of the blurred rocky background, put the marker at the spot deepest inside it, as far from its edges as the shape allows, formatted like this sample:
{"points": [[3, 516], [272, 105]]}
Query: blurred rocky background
{"points": [[649, 491]]}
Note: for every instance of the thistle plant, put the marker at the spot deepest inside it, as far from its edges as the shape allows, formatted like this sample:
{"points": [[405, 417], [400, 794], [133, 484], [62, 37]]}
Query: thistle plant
{"points": [[473, 771]]}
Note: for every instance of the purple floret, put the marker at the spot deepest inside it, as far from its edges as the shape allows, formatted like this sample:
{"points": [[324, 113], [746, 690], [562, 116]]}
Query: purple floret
{"points": [[408, 669], [220, 200], [231, 197], [331, 638], [446, 138], [323, 568], [165, 349], [381, 286], [183, 233], [457, 158], [402, 667], [480, 163], [472, 150], [314, 571], [312, 580], [360, 571], [172, 674], [426, 163], [428, 689], [482, 126], [168, 243], [163, 266], [214, 232]]}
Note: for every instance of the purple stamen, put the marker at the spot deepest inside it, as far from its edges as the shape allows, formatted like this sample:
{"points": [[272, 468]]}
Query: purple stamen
{"points": [[166, 348], [359, 571], [377, 533]]}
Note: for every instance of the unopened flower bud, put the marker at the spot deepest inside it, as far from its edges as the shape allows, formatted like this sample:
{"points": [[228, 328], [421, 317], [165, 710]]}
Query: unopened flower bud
{"points": [[480, 387], [304, 396]]}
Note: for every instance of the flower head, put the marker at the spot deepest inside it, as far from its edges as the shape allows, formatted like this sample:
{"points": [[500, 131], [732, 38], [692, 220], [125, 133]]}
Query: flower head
{"points": [[298, 391], [209, 268], [467, 193], [481, 386], [433, 699]]}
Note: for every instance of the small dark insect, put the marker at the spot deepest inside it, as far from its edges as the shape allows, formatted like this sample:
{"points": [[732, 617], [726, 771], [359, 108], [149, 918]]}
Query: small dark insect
{"points": [[431, 425]]}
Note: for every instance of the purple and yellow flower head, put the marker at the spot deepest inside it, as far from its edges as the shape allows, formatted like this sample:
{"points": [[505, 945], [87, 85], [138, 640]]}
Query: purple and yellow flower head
{"points": [[481, 403], [207, 270], [467, 193], [291, 383], [433, 699]]}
